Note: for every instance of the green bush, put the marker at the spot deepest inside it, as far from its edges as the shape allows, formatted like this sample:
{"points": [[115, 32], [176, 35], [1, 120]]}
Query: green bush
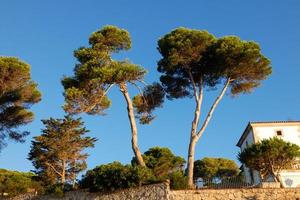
{"points": [[14, 183], [178, 180], [113, 176], [56, 190]]}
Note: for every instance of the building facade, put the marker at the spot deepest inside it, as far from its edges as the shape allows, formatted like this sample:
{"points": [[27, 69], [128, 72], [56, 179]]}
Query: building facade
{"points": [[256, 131]]}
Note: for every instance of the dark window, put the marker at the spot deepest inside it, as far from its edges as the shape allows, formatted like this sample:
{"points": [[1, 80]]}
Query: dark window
{"points": [[279, 133]]}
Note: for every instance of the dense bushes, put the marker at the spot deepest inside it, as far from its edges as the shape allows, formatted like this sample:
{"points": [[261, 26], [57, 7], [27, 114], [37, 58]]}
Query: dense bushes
{"points": [[114, 176], [14, 183], [161, 164]]}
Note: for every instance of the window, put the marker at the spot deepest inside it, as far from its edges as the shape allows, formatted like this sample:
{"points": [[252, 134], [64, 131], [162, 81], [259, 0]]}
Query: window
{"points": [[279, 133]]}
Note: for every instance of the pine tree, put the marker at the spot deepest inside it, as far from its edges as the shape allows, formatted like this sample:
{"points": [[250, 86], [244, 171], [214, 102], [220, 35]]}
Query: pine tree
{"points": [[57, 154], [17, 94]]}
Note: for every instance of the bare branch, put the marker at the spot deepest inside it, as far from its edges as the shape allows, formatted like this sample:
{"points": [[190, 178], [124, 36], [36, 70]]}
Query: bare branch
{"points": [[143, 82], [212, 109], [197, 111]]}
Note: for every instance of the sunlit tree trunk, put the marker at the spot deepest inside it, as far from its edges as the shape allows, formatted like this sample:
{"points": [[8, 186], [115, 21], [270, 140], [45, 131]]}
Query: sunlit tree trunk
{"points": [[63, 174], [130, 111], [196, 135]]}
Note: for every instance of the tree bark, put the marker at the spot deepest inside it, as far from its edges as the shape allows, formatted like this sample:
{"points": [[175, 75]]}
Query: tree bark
{"points": [[195, 136], [190, 166], [191, 152], [130, 111], [63, 174]]}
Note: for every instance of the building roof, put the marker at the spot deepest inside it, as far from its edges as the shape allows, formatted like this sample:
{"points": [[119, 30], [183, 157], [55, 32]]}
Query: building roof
{"points": [[251, 124]]}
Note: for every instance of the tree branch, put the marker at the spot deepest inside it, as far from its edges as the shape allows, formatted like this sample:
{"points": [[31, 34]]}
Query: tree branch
{"points": [[48, 164], [194, 85], [212, 109], [100, 98]]}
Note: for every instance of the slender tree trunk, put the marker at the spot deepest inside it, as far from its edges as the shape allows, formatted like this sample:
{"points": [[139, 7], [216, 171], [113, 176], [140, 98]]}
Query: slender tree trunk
{"points": [[63, 174], [134, 139], [193, 141], [195, 136]]}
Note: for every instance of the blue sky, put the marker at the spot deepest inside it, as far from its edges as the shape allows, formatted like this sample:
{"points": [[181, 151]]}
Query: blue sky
{"points": [[45, 33]]}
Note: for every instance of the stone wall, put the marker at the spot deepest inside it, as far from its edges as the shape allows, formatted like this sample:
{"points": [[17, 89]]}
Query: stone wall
{"points": [[162, 192], [236, 194], [149, 192]]}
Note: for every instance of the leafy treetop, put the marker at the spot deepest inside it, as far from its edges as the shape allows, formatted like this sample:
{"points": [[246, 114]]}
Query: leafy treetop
{"points": [[270, 156], [58, 154], [209, 168], [195, 58], [17, 94], [162, 161]]}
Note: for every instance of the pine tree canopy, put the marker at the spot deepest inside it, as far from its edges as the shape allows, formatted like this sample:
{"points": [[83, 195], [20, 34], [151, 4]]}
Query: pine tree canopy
{"points": [[17, 94], [96, 72], [197, 56]]}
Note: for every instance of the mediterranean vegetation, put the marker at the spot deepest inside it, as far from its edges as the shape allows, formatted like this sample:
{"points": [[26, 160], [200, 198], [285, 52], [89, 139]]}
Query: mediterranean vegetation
{"points": [[192, 63]]}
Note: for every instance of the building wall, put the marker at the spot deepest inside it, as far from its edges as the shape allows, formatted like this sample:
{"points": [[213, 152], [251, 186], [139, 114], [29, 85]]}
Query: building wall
{"points": [[291, 133], [290, 178]]}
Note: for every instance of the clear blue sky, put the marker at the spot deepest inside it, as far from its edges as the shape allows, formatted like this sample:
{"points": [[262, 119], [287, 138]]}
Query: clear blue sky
{"points": [[45, 33]]}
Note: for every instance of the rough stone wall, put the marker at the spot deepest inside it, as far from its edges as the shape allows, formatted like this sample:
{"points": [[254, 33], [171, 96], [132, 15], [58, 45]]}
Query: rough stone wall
{"points": [[162, 192], [149, 192], [236, 194]]}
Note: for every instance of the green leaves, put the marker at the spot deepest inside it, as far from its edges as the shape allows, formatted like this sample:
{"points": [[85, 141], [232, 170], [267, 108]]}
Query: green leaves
{"points": [[17, 94], [62, 141], [145, 103], [111, 39], [241, 61], [162, 161], [113, 176], [270, 156], [210, 168], [96, 72], [16, 183], [197, 57]]}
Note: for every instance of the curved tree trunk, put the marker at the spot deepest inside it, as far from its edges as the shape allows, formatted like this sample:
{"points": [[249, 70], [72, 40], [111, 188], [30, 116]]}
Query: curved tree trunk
{"points": [[134, 139]]}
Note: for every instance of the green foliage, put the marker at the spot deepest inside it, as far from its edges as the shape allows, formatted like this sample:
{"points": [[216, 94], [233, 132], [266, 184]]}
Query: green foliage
{"points": [[113, 176], [145, 103], [197, 56], [15, 183], [182, 50], [162, 162], [178, 180], [270, 156], [96, 71], [17, 94], [210, 168], [56, 190], [241, 61], [57, 153]]}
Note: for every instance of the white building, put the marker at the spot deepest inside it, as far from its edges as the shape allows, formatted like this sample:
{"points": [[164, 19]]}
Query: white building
{"points": [[257, 131]]}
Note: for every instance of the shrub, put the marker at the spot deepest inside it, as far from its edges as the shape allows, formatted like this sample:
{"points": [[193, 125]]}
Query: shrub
{"points": [[178, 180], [113, 176], [15, 183]]}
